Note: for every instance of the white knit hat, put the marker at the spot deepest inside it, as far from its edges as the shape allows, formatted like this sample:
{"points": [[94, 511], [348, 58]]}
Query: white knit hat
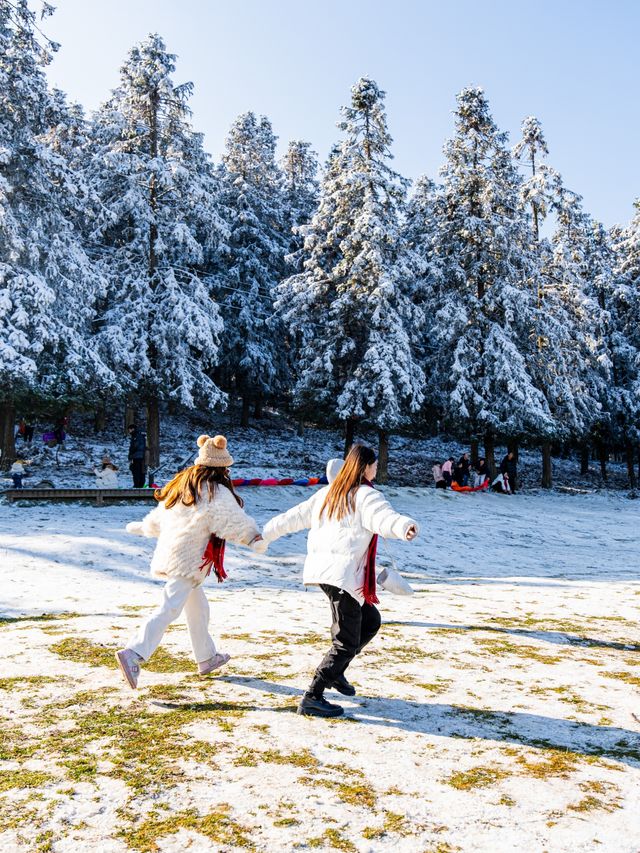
{"points": [[213, 452]]}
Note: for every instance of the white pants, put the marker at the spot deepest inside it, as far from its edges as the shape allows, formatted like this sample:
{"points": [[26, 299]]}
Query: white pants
{"points": [[179, 594]]}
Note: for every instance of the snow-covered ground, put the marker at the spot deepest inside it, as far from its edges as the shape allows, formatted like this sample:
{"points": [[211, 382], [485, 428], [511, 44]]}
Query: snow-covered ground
{"points": [[495, 710]]}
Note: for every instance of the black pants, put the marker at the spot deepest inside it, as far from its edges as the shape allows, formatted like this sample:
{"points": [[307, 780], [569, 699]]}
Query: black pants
{"points": [[137, 469], [353, 626]]}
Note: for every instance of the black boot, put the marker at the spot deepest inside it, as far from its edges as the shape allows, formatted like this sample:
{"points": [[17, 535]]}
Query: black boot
{"points": [[342, 686], [317, 706]]}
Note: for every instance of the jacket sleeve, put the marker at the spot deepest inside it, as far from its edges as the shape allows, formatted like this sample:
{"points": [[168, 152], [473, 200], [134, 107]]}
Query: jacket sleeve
{"points": [[229, 521], [294, 519], [149, 526], [378, 516]]}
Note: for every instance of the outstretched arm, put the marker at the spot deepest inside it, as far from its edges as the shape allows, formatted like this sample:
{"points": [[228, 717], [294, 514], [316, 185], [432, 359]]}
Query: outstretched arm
{"points": [[149, 526], [294, 519], [380, 517]]}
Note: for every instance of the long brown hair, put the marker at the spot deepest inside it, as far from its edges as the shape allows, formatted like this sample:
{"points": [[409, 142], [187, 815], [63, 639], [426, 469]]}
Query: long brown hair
{"points": [[341, 497], [187, 486]]}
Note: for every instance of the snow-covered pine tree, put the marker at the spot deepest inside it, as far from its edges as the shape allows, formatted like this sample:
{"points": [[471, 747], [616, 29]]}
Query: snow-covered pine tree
{"points": [[571, 361], [488, 308], [47, 283], [624, 307], [155, 227], [420, 230], [253, 261], [300, 194], [352, 305]]}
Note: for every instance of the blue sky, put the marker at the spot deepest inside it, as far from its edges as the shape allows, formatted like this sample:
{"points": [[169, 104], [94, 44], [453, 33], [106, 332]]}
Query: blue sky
{"points": [[572, 64]]}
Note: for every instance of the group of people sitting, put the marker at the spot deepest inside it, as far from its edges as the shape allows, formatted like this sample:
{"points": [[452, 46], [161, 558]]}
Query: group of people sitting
{"points": [[463, 475]]}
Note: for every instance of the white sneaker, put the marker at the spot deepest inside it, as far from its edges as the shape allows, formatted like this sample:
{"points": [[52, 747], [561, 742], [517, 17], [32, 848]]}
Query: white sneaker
{"points": [[215, 662], [391, 580], [128, 661]]}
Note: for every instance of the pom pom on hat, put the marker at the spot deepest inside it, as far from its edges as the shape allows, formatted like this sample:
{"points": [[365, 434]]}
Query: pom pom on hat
{"points": [[201, 440], [220, 442]]}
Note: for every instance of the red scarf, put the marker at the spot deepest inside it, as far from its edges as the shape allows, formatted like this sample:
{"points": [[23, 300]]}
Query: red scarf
{"points": [[368, 589], [214, 556]]}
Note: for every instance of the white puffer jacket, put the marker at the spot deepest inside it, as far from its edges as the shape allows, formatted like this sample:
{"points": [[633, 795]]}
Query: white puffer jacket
{"points": [[183, 532], [337, 550]]}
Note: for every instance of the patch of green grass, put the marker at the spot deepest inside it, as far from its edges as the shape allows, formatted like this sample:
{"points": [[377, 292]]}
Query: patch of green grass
{"points": [[29, 681], [394, 823], [23, 779], [286, 821], [500, 646], [217, 826], [627, 677], [82, 650], [592, 804], [334, 839], [552, 763], [481, 776], [440, 685], [353, 793], [43, 617], [252, 757], [146, 748]]}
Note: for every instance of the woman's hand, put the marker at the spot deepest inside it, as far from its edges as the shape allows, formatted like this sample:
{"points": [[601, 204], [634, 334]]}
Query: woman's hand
{"points": [[258, 544], [411, 533]]}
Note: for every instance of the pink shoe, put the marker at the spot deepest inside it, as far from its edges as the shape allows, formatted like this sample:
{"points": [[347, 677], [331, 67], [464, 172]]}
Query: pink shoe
{"points": [[215, 662], [128, 662]]}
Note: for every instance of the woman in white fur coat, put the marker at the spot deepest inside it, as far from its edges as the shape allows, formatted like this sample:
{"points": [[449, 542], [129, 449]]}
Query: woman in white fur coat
{"points": [[344, 521], [197, 511]]}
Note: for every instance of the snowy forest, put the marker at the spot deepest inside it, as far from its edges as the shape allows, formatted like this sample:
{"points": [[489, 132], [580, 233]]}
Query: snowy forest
{"points": [[137, 274]]}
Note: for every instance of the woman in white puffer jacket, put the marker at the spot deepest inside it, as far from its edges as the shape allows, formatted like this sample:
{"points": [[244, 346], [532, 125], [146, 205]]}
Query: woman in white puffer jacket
{"points": [[344, 521], [197, 511]]}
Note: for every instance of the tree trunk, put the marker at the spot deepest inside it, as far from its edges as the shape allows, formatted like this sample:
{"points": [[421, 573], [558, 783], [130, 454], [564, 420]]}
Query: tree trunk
{"points": [[99, 418], [349, 429], [490, 454], [631, 474], [257, 411], [153, 433], [584, 459], [383, 456], [7, 433], [129, 416], [547, 476], [638, 449], [300, 428], [244, 417], [513, 446], [475, 455], [602, 456]]}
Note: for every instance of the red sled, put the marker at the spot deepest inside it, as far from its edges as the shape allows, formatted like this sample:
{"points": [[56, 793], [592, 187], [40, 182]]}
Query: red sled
{"points": [[456, 488]]}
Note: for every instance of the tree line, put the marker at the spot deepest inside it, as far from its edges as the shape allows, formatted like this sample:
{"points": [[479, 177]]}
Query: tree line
{"points": [[137, 273]]}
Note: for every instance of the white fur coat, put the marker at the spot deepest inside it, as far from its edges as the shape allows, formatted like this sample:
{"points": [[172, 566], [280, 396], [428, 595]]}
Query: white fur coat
{"points": [[183, 532]]}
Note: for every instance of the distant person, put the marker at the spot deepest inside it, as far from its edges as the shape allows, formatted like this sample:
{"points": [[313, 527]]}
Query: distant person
{"points": [[137, 454], [197, 511], [480, 473], [106, 474], [59, 430], [344, 521], [29, 428], [509, 467], [447, 471], [18, 473], [436, 470], [465, 467]]}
